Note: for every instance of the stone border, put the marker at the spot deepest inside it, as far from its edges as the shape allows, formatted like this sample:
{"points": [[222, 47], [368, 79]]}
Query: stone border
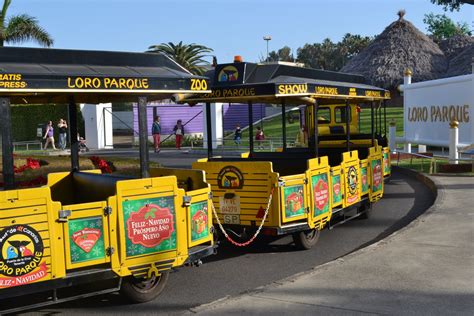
{"points": [[434, 186]]}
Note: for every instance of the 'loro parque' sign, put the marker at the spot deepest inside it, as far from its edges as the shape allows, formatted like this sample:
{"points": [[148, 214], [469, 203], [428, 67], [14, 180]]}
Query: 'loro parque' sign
{"points": [[434, 113], [430, 106], [22, 82]]}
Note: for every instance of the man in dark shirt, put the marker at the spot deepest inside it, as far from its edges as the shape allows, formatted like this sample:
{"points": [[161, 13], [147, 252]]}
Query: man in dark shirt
{"points": [[62, 127]]}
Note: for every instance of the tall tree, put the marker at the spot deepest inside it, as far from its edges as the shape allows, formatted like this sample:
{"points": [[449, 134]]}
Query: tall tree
{"points": [[319, 55], [190, 56], [332, 56], [21, 28], [283, 54], [441, 27], [351, 45], [451, 4]]}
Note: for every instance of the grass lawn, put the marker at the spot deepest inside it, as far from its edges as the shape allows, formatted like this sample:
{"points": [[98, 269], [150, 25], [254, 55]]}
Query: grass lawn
{"points": [[418, 164], [273, 127], [426, 165]]}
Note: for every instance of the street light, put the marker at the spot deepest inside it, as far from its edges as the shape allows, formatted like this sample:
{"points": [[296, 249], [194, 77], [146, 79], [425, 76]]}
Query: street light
{"points": [[267, 38]]}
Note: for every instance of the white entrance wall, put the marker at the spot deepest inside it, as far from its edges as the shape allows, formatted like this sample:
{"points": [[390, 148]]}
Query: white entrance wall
{"points": [[217, 126], [430, 106], [98, 125]]}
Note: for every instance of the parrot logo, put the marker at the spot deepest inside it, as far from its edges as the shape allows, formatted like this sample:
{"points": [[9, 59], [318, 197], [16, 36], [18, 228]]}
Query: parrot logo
{"points": [[11, 253], [20, 246], [230, 177], [352, 180]]}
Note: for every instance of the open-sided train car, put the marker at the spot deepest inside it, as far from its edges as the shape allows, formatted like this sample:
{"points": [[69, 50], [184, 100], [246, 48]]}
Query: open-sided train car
{"points": [[334, 172], [85, 233]]}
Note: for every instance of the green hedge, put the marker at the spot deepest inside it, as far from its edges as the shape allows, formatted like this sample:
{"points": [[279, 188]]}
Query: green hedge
{"points": [[25, 119]]}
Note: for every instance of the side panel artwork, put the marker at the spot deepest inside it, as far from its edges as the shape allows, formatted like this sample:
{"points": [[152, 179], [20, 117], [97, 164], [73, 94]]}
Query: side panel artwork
{"points": [[294, 201], [321, 194], [149, 225]]}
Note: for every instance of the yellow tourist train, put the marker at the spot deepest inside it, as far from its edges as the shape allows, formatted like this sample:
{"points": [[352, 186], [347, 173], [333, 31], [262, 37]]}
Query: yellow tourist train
{"points": [[329, 173], [85, 233]]}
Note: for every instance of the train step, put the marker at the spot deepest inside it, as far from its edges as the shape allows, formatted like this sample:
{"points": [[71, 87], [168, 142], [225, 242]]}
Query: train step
{"points": [[75, 285]]}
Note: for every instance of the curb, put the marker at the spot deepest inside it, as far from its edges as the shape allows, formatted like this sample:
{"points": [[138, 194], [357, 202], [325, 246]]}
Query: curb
{"points": [[431, 183]]}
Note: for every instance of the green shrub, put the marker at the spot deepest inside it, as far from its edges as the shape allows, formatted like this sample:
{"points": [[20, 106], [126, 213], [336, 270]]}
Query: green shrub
{"points": [[26, 118]]}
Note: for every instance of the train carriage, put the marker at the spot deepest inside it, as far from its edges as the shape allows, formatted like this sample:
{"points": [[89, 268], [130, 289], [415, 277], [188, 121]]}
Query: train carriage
{"points": [[333, 172], [86, 233]]}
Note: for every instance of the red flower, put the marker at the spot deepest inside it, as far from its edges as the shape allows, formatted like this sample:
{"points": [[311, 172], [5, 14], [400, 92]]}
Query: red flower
{"points": [[34, 182], [30, 164], [101, 164]]}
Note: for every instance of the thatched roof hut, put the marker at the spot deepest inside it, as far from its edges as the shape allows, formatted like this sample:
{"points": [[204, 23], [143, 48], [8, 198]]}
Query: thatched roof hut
{"points": [[461, 64], [399, 46], [453, 46], [459, 51]]}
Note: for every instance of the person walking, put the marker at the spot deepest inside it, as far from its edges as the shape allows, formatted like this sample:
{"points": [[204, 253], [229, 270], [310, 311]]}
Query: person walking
{"points": [[62, 127], [237, 135], [49, 135], [259, 137], [156, 132], [179, 132], [302, 137]]}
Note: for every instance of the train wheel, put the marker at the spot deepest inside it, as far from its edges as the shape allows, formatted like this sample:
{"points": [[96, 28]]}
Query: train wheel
{"points": [[367, 211], [306, 239], [144, 290]]}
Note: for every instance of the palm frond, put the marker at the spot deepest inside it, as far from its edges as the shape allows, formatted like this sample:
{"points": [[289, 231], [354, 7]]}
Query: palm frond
{"points": [[189, 56], [21, 28]]}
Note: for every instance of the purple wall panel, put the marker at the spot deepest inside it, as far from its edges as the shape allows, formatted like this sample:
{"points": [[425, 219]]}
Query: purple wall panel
{"points": [[169, 114], [238, 114]]}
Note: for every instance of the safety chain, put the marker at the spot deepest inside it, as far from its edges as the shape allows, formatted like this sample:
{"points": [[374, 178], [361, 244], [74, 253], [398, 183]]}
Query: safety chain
{"points": [[248, 242]]}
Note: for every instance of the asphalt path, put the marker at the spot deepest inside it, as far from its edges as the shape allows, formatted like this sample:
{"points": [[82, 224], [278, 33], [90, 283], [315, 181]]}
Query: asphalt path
{"points": [[236, 270]]}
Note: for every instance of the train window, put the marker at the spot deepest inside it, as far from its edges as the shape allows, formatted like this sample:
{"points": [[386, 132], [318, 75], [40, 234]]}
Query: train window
{"points": [[340, 114], [324, 115]]}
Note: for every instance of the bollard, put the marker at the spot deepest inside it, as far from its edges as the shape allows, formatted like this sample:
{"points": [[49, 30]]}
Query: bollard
{"points": [[407, 147], [406, 81], [407, 76], [392, 133], [453, 142]]}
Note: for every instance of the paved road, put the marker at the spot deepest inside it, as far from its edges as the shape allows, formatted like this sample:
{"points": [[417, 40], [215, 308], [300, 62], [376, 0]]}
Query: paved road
{"points": [[167, 157], [234, 271]]}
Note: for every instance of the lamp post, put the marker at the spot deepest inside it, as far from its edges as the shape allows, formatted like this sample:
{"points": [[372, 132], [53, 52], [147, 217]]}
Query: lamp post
{"points": [[267, 38]]}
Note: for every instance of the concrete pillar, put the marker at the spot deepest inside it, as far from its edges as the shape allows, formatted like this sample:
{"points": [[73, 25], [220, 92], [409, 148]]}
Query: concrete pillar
{"points": [[453, 142], [421, 148], [407, 147], [98, 125], [392, 134], [217, 125]]}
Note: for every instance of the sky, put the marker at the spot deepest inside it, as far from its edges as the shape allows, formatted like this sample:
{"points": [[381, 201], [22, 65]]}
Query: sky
{"points": [[229, 27]]}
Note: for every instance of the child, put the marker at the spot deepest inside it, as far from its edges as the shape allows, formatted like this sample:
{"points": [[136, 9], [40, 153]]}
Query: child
{"points": [[237, 135], [259, 137], [179, 132]]}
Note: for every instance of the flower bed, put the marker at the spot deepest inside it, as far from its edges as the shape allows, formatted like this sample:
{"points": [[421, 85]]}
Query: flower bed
{"points": [[104, 166]]}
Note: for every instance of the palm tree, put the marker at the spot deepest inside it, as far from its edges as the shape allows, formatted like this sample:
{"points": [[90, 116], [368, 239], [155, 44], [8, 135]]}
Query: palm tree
{"points": [[21, 28], [190, 56]]}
